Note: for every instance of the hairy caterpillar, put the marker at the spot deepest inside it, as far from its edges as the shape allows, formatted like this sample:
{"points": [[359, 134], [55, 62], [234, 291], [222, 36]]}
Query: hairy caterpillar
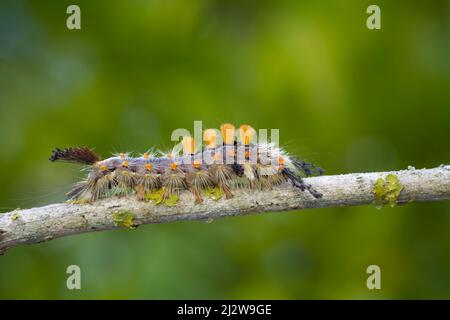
{"points": [[229, 161]]}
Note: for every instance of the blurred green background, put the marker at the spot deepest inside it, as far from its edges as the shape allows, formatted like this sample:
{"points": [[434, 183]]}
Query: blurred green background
{"points": [[344, 97]]}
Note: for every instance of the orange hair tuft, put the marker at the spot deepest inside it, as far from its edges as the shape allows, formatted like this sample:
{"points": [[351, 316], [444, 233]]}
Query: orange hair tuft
{"points": [[210, 138], [246, 133], [227, 131]]}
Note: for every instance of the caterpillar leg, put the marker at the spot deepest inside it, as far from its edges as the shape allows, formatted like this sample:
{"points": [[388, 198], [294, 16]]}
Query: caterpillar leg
{"points": [[197, 180], [140, 192], [222, 175], [226, 190], [197, 196]]}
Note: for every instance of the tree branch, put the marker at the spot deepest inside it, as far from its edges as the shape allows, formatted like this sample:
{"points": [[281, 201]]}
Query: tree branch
{"points": [[58, 220]]}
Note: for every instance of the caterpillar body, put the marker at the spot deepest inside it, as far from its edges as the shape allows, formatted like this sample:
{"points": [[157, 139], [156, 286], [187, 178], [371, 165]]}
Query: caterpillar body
{"points": [[229, 161]]}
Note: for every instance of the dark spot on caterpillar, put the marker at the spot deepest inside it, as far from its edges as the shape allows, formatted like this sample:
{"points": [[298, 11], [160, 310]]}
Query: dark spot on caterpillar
{"points": [[238, 169]]}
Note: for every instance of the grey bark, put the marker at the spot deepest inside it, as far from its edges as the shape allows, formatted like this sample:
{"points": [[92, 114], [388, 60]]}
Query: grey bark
{"points": [[57, 220]]}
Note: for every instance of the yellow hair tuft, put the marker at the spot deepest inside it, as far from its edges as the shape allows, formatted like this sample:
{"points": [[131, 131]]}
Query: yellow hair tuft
{"points": [[197, 164], [188, 145]]}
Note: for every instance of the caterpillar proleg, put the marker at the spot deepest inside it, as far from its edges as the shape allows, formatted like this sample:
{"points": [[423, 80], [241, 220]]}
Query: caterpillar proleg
{"points": [[228, 161]]}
